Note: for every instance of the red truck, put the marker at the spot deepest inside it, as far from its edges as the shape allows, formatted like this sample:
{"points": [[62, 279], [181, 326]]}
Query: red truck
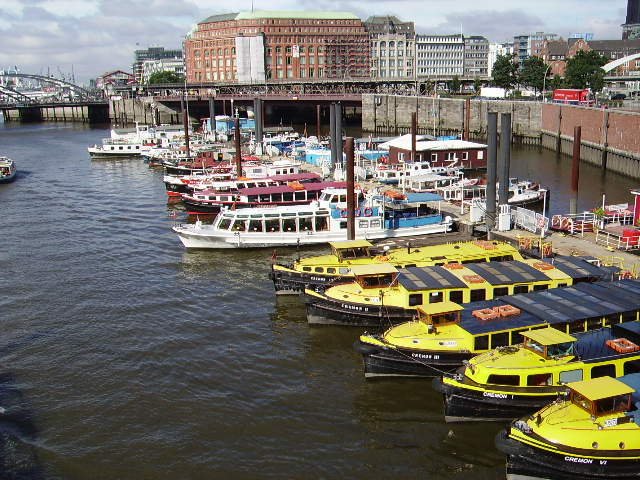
{"points": [[573, 96]]}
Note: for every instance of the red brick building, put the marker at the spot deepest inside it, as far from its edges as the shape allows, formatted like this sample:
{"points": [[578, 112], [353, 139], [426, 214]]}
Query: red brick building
{"points": [[252, 47]]}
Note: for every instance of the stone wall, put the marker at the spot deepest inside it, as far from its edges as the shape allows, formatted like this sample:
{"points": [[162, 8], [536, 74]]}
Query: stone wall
{"points": [[391, 114], [127, 111]]}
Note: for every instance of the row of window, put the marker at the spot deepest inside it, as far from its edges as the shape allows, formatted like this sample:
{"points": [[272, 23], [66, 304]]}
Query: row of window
{"points": [[475, 294], [392, 73]]}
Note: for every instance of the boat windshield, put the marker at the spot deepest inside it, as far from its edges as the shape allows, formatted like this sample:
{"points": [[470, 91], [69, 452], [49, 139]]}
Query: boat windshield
{"points": [[350, 253], [560, 349], [375, 281], [534, 347], [619, 403]]}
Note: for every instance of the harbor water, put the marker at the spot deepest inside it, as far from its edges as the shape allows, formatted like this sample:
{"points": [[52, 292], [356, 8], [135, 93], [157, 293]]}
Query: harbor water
{"points": [[124, 356]]}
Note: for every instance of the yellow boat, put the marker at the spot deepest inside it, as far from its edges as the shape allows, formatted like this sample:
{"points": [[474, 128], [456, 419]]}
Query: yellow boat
{"points": [[594, 434], [382, 295], [319, 271], [447, 334], [509, 382]]}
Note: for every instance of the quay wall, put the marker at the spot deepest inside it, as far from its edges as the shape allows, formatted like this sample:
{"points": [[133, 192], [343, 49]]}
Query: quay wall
{"points": [[125, 111], [609, 138], [391, 114]]}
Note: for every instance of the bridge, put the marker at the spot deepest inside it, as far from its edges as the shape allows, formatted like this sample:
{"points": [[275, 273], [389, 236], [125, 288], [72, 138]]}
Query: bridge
{"points": [[69, 102]]}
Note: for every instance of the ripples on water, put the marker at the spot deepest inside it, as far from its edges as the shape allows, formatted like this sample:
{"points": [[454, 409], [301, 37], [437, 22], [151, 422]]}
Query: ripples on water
{"points": [[124, 356]]}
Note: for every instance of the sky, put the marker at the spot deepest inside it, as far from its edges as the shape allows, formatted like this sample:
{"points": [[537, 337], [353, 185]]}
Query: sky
{"points": [[90, 37]]}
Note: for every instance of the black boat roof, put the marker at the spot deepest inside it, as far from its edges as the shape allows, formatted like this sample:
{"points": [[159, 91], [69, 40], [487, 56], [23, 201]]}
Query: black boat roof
{"points": [[559, 305], [497, 273]]}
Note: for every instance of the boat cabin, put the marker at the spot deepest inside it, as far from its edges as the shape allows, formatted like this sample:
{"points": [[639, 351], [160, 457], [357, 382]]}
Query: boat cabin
{"points": [[376, 276], [549, 343], [446, 313], [601, 396], [270, 220], [351, 249]]}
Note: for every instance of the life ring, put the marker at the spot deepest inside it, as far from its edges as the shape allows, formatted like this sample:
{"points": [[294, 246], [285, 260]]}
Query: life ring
{"points": [[622, 345], [507, 310], [565, 224], [486, 314], [555, 221], [367, 212], [625, 275], [343, 213]]}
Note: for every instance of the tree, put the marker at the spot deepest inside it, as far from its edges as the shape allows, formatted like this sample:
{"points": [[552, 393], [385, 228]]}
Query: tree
{"points": [[584, 70], [505, 72], [533, 73], [455, 84], [477, 85], [556, 82], [165, 77]]}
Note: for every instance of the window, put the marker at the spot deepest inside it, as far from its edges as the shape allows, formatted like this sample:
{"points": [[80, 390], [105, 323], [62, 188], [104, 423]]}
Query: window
{"points": [[272, 225], [500, 339], [500, 291], [520, 289], [415, 299], [570, 376], [537, 288], [632, 366], [482, 342], [477, 294], [289, 225], [238, 226], [255, 225], [603, 371], [513, 380], [436, 297], [539, 380]]}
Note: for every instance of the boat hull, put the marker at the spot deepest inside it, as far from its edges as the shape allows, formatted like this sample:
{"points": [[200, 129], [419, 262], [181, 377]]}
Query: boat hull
{"points": [[388, 362], [209, 238], [461, 405], [330, 312], [526, 462], [9, 178]]}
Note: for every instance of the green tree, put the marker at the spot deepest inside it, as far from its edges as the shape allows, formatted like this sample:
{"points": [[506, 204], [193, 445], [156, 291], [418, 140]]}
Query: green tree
{"points": [[455, 84], [505, 72], [477, 85], [165, 77], [584, 70], [533, 73], [556, 82]]}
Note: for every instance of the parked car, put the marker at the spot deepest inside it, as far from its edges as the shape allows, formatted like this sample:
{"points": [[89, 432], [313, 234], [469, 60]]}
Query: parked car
{"points": [[618, 96]]}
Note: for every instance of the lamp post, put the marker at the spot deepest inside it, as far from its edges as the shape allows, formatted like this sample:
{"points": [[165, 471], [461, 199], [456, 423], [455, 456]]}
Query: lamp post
{"points": [[544, 83]]}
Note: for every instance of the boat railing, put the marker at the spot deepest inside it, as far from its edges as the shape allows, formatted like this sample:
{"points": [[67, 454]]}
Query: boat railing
{"points": [[626, 240]]}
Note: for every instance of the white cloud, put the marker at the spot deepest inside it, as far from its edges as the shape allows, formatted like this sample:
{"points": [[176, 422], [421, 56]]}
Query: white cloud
{"points": [[99, 35]]}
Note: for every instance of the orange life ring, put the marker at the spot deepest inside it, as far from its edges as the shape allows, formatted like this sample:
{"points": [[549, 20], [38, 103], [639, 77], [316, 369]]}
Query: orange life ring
{"points": [[453, 266], [367, 212], [507, 310], [565, 224], [473, 278], [555, 221], [543, 266], [622, 345]]}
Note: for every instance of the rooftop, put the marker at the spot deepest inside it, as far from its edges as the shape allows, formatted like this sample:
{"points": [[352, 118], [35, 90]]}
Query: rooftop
{"points": [[548, 336], [297, 14], [599, 388]]}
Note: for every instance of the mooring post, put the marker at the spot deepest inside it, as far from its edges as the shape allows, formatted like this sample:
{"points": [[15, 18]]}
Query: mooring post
{"points": [[575, 169]]}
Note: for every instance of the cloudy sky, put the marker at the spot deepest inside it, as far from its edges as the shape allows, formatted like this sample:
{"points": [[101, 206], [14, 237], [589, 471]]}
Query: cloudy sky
{"points": [[94, 36]]}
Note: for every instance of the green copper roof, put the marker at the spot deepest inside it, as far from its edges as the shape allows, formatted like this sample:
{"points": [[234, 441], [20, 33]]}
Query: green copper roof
{"points": [[224, 17], [311, 15]]}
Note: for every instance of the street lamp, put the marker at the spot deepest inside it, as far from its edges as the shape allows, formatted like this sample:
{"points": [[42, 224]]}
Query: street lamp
{"points": [[544, 83]]}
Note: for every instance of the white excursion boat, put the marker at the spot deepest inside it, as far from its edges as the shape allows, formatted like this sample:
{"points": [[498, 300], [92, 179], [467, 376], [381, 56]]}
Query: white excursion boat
{"points": [[380, 216], [8, 170], [117, 148]]}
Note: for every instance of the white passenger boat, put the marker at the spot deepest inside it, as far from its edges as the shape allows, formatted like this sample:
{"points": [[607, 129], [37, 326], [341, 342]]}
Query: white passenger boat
{"points": [[380, 216], [117, 148], [8, 170]]}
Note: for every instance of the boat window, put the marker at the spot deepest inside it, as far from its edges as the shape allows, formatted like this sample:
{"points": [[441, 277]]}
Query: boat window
{"points": [[264, 198], [276, 197], [331, 270], [516, 337], [613, 318], [415, 299], [252, 198], [577, 326], [306, 224], [560, 349], [593, 323], [629, 316], [477, 294], [255, 225], [539, 380], [500, 291], [570, 376], [520, 289], [375, 281], [224, 224], [581, 401], [513, 380], [272, 225], [481, 342], [287, 196], [534, 346], [363, 223], [322, 224], [456, 296], [560, 285], [608, 370], [239, 226], [343, 225], [343, 271], [300, 195], [499, 339], [619, 403], [319, 270], [538, 288], [375, 223], [306, 269], [436, 297], [289, 224], [632, 366]]}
